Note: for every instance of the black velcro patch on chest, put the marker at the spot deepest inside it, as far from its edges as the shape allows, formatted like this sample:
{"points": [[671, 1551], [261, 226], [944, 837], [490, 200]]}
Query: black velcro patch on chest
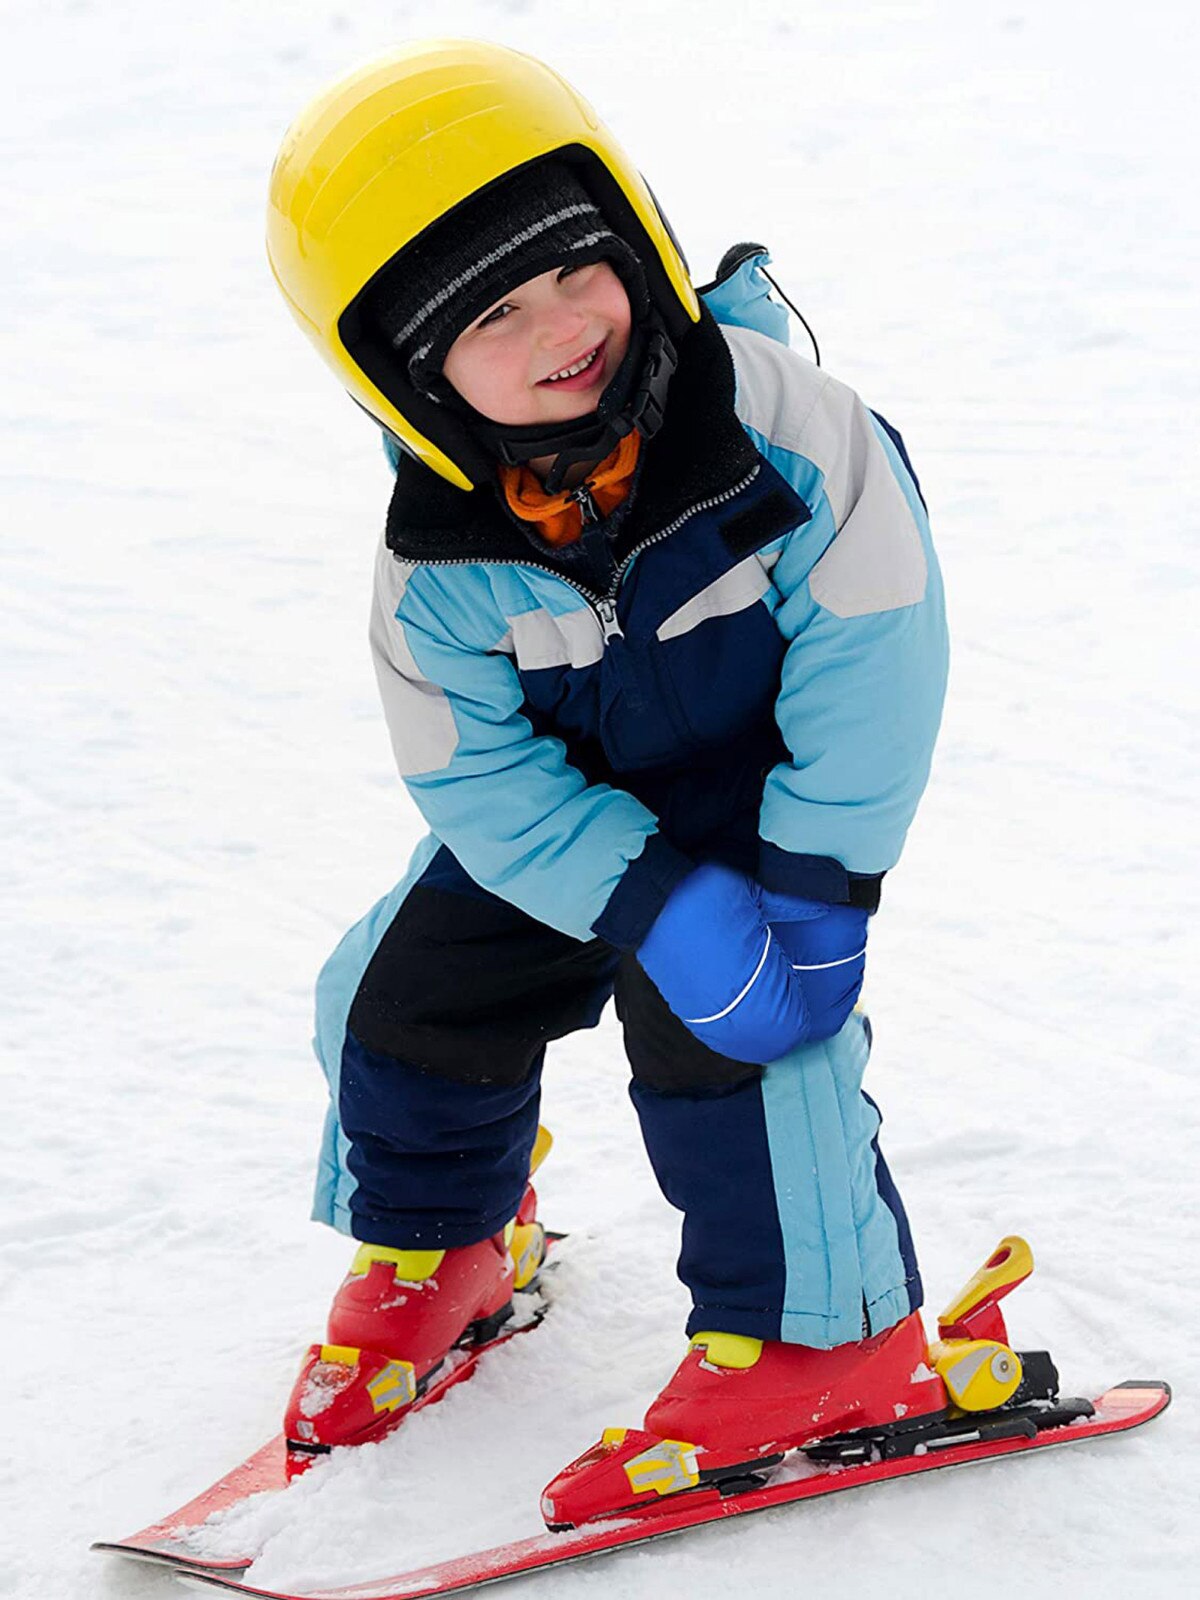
{"points": [[775, 513]]}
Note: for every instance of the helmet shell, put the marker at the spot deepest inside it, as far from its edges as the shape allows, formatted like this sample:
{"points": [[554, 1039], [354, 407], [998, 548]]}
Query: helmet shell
{"points": [[395, 145]]}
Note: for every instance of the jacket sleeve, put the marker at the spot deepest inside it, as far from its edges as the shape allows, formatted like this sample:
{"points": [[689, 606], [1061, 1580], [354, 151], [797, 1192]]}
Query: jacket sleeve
{"points": [[861, 607], [584, 858]]}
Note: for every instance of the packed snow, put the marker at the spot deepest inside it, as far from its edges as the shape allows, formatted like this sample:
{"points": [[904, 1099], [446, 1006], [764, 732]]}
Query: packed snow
{"points": [[988, 214]]}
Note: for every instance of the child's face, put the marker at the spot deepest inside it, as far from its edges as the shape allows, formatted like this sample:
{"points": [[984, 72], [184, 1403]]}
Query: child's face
{"points": [[503, 363]]}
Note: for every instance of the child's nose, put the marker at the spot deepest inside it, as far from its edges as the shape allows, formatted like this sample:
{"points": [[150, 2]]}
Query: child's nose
{"points": [[562, 323]]}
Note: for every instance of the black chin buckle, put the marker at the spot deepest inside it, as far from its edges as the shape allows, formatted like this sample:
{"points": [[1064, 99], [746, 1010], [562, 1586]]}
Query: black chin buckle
{"points": [[645, 413], [591, 447], [650, 402]]}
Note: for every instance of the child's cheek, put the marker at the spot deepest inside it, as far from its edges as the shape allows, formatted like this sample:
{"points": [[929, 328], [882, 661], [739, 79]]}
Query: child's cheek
{"points": [[508, 387]]}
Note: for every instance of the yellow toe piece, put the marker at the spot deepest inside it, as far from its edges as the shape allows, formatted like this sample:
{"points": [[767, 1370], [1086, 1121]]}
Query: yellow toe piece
{"points": [[342, 1355], [411, 1266], [734, 1350]]}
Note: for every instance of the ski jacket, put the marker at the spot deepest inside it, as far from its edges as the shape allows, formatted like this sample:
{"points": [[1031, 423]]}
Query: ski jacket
{"points": [[745, 661]]}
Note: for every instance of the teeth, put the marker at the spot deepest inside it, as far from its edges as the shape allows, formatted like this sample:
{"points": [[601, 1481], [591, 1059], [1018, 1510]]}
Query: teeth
{"points": [[569, 372]]}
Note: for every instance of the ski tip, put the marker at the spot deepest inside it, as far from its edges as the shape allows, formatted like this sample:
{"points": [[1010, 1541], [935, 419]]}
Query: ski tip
{"points": [[1136, 1400], [1151, 1394], [118, 1547]]}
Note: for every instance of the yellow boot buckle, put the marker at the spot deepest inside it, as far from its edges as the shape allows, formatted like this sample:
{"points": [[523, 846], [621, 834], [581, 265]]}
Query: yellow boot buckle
{"points": [[394, 1386], [665, 1468]]}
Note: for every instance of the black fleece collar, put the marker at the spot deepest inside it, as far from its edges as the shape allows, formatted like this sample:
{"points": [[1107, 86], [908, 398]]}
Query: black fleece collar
{"points": [[701, 452]]}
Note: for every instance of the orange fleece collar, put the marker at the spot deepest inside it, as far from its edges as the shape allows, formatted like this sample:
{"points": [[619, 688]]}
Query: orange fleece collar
{"points": [[558, 517]]}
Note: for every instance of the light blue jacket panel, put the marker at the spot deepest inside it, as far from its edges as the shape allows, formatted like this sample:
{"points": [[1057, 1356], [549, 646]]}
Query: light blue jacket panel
{"points": [[520, 818], [857, 594]]}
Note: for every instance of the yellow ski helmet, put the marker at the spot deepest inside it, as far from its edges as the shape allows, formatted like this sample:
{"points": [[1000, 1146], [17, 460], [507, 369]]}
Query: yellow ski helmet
{"points": [[395, 146]]}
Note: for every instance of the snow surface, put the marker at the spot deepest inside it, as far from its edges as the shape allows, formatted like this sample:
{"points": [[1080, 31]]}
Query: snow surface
{"points": [[988, 212]]}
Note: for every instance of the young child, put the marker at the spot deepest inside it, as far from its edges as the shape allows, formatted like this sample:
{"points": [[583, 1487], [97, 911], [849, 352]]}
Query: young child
{"points": [[659, 634]]}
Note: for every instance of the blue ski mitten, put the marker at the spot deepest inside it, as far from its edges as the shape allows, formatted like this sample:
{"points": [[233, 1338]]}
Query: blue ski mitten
{"points": [[712, 957], [827, 947]]}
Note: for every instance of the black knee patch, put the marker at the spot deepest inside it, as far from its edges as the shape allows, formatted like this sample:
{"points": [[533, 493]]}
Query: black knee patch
{"points": [[471, 988], [664, 1054]]}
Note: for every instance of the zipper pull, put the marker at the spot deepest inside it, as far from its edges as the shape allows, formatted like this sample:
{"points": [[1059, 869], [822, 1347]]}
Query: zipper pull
{"points": [[607, 612], [588, 508]]}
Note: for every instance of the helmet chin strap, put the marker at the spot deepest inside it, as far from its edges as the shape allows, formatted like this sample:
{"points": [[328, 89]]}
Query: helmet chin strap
{"points": [[635, 398]]}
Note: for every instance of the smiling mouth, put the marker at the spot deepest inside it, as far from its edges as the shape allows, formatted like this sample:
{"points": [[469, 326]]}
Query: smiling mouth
{"points": [[576, 368]]}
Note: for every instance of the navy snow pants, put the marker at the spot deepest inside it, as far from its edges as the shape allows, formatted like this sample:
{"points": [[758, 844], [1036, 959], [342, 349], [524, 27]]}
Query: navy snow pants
{"points": [[433, 1015]]}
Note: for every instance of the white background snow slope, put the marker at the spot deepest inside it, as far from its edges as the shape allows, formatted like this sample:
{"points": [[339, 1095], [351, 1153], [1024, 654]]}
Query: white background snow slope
{"points": [[988, 212]]}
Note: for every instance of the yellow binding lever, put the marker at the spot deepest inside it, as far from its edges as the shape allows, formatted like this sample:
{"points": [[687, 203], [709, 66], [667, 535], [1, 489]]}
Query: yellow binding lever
{"points": [[972, 1355], [973, 1313]]}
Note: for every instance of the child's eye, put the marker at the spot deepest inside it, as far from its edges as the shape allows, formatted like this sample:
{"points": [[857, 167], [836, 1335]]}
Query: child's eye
{"points": [[494, 316], [497, 314]]}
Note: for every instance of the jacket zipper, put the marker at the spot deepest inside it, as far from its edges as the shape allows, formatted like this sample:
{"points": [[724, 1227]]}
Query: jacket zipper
{"points": [[606, 610], [589, 511], [605, 605]]}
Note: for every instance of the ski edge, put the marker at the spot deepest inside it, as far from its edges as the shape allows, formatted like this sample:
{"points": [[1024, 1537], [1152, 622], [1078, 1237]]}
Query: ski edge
{"points": [[534, 1555], [159, 1543], [177, 1563]]}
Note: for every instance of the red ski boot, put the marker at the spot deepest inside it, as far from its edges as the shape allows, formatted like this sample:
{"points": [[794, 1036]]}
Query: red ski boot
{"points": [[405, 1325], [736, 1403], [736, 1406]]}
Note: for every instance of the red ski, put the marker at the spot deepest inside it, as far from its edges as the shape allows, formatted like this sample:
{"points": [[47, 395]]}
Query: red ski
{"points": [[632, 1487], [169, 1543], [166, 1542], [1127, 1406]]}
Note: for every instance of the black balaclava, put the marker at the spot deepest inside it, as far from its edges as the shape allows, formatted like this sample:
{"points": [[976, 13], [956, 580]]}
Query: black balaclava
{"points": [[538, 218]]}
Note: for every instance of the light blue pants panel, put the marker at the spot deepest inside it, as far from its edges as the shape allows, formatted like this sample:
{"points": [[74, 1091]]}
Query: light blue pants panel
{"points": [[843, 1254], [337, 984]]}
